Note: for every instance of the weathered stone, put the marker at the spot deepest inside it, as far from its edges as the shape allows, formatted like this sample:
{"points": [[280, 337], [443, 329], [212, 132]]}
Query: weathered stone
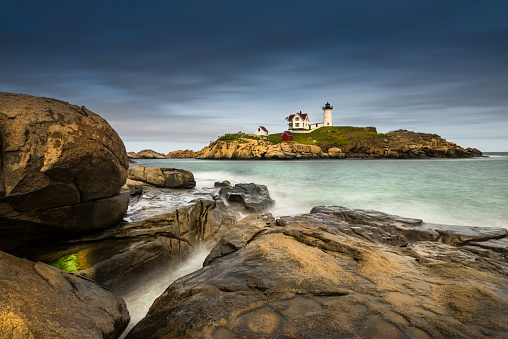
{"points": [[146, 154], [238, 236], [54, 155], [163, 177], [308, 279], [181, 154], [40, 301], [251, 197], [220, 184]]}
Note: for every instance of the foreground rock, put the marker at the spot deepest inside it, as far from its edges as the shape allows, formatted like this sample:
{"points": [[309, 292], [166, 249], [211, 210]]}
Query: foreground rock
{"points": [[39, 301], [250, 198], [163, 177], [62, 167], [117, 256], [323, 275], [146, 154]]}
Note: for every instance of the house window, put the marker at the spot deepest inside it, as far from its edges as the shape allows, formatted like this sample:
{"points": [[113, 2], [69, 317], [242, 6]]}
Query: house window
{"points": [[297, 125], [297, 118]]}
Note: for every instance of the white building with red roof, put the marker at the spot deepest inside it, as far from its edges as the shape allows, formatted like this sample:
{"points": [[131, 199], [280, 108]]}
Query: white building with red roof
{"points": [[261, 130]]}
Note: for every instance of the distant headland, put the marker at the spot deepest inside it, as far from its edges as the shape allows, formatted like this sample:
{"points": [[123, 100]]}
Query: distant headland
{"points": [[328, 142]]}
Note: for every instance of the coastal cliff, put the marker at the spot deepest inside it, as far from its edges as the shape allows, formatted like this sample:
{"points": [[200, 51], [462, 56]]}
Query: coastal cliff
{"points": [[338, 143]]}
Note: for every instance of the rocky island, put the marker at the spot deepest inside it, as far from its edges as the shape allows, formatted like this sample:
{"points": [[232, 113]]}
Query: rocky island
{"points": [[326, 143]]}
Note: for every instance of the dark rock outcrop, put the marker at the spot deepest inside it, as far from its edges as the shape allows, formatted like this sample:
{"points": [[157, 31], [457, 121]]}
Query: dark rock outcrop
{"points": [[220, 184], [40, 301], [163, 177], [323, 275], [146, 154], [117, 256], [60, 164], [251, 198]]}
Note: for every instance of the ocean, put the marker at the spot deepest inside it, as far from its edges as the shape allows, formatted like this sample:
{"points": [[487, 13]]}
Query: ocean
{"points": [[472, 191]]}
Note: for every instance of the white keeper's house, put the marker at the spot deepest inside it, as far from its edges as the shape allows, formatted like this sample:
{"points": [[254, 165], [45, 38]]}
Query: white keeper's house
{"points": [[299, 122]]}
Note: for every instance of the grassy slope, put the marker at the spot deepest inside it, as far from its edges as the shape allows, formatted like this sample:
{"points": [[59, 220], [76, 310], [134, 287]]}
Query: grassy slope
{"points": [[335, 135], [325, 137]]}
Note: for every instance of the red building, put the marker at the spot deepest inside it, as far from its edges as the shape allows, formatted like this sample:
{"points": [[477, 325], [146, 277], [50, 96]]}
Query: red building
{"points": [[287, 136]]}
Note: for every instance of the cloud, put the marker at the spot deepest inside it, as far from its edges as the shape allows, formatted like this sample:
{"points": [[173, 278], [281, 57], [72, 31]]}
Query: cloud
{"points": [[219, 66]]}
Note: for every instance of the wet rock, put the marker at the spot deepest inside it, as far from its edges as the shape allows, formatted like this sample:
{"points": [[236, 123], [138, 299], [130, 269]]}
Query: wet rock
{"points": [[116, 256], [55, 157], [163, 177], [304, 277], [40, 301], [251, 197], [220, 184]]}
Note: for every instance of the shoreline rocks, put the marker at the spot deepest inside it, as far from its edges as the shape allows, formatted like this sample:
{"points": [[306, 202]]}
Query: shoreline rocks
{"points": [[249, 198], [163, 177], [61, 164], [323, 275]]}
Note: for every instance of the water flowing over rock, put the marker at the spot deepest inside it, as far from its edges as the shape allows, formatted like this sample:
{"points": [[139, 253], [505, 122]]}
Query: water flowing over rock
{"points": [[117, 256], [339, 273], [163, 177], [250, 198], [40, 301], [61, 170]]}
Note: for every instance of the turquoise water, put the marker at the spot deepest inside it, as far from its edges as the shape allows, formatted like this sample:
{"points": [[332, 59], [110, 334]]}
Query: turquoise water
{"points": [[449, 191]]}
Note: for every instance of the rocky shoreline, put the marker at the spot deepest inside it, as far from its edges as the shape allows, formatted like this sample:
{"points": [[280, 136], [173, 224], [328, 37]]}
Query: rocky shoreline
{"points": [[399, 144], [67, 253]]}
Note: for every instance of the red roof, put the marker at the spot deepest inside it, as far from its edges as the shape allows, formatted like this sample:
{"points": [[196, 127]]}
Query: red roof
{"points": [[302, 115], [263, 128]]}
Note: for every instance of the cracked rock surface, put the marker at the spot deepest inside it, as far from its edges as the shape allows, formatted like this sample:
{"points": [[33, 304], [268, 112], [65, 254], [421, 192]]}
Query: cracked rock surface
{"points": [[54, 158], [40, 301], [340, 273]]}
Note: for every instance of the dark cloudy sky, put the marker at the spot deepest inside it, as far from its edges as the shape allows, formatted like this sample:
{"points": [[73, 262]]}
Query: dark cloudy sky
{"points": [[176, 74]]}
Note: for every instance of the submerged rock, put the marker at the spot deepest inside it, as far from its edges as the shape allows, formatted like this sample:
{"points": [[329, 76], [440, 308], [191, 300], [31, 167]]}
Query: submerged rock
{"points": [[324, 275], [251, 198], [60, 165], [40, 301], [163, 177]]}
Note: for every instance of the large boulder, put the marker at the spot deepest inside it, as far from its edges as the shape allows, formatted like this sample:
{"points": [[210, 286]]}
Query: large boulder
{"points": [[309, 279], [163, 177], [56, 158], [116, 257], [251, 198], [40, 301]]}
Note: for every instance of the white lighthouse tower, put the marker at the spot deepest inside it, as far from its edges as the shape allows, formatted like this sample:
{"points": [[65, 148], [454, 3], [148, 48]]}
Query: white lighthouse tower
{"points": [[327, 115]]}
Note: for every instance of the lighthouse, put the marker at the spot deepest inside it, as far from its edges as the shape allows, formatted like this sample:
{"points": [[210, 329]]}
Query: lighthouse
{"points": [[327, 115]]}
